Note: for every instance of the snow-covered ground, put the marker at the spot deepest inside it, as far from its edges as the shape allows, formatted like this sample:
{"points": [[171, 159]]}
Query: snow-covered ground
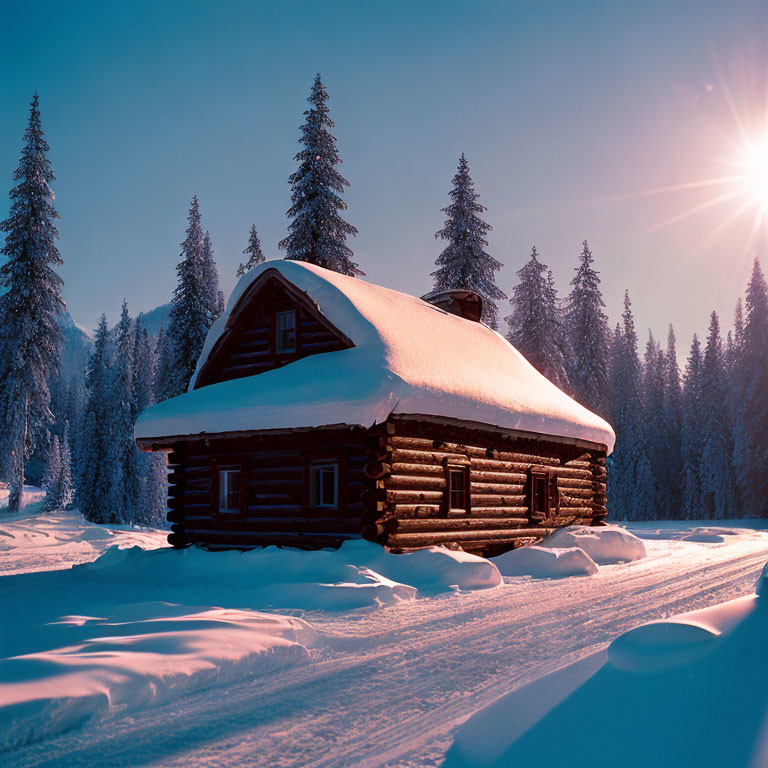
{"points": [[168, 658]]}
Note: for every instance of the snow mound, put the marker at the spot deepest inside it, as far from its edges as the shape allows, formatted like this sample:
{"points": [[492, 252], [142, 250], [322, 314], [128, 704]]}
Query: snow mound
{"points": [[56, 540], [268, 578], [605, 544], [760, 587], [142, 655], [399, 364], [704, 537], [358, 574], [546, 563], [432, 570]]}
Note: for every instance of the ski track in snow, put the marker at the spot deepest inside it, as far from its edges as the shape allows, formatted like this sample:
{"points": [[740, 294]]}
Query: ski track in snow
{"points": [[389, 685]]}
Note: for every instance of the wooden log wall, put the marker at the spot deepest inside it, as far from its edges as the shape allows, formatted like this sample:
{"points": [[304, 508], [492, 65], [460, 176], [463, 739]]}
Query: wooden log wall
{"points": [[274, 510], [407, 461], [247, 349]]}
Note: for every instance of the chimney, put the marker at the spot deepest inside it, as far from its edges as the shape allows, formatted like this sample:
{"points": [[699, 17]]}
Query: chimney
{"points": [[466, 304]]}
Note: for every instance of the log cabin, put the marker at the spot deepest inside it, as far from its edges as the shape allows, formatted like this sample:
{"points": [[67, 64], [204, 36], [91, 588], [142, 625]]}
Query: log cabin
{"points": [[326, 408]]}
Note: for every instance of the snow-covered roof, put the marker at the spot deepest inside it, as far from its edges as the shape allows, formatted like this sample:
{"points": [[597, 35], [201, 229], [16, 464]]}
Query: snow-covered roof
{"points": [[409, 358]]}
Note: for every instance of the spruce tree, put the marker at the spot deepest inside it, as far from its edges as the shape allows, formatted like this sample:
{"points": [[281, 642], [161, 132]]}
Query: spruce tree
{"points": [[535, 328], [253, 252], [52, 476], [123, 453], [751, 430], [464, 264], [162, 387], [95, 489], [588, 337], [317, 233], [630, 478], [717, 477], [654, 433], [31, 337], [672, 425], [190, 316], [65, 490], [691, 434], [214, 298]]}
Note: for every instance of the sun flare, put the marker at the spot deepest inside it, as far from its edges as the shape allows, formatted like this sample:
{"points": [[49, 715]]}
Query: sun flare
{"points": [[754, 166]]}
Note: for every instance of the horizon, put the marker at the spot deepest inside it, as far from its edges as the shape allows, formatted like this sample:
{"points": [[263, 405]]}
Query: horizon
{"points": [[583, 161]]}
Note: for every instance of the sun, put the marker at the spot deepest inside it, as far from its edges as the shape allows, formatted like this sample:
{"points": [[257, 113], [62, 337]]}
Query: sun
{"points": [[753, 179]]}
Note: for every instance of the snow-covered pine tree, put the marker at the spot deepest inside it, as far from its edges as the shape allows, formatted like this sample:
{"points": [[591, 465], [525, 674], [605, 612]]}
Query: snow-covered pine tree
{"points": [[464, 264], [534, 325], [751, 430], [123, 453], [672, 428], [190, 316], [163, 380], [65, 491], [95, 488], [143, 367], [317, 233], [214, 298], [654, 432], [630, 476], [31, 337], [691, 434], [253, 252], [52, 475], [588, 337], [717, 476]]}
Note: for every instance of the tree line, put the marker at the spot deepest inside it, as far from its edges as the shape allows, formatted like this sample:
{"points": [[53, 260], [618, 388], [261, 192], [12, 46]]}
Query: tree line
{"points": [[691, 444]]}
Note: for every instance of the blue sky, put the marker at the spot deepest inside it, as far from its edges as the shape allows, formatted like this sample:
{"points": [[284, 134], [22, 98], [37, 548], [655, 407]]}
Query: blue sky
{"points": [[566, 111]]}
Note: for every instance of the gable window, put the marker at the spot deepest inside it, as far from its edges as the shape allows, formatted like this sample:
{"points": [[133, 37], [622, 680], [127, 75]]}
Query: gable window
{"points": [[229, 490], [539, 501], [458, 489], [285, 332], [324, 484]]}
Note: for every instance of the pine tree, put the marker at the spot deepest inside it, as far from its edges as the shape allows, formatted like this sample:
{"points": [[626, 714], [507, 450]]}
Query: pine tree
{"points": [[162, 387], [751, 430], [95, 488], [672, 425], [123, 453], [52, 476], [214, 298], [317, 233], [588, 337], [654, 432], [143, 368], [630, 477], [717, 477], [253, 252], [464, 264], [31, 337], [190, 316], [691, 434], [64, 491], [534, 325]]}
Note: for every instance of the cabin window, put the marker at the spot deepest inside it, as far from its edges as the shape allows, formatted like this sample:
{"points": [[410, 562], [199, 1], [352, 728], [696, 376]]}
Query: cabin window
{"points": [[539, 501], [229, 490], [324, 484], [458, 489], [285, 332]]}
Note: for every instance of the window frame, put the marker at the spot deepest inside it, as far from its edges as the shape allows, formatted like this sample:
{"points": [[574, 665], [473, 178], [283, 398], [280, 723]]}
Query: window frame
{"points": [[277, 351], [225, 464], [464, 469], [315, 458], [537, 475], [317, 469]]}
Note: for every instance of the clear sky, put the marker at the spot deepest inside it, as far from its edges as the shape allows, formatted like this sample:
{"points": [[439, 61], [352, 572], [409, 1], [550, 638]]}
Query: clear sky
{"points": [[569, 114]]}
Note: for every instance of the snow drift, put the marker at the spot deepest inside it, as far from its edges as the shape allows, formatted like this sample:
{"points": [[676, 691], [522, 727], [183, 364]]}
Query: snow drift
{"points": [[358, 574], [400, 364], [141, 655], [605, 545], [543, 563]]}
